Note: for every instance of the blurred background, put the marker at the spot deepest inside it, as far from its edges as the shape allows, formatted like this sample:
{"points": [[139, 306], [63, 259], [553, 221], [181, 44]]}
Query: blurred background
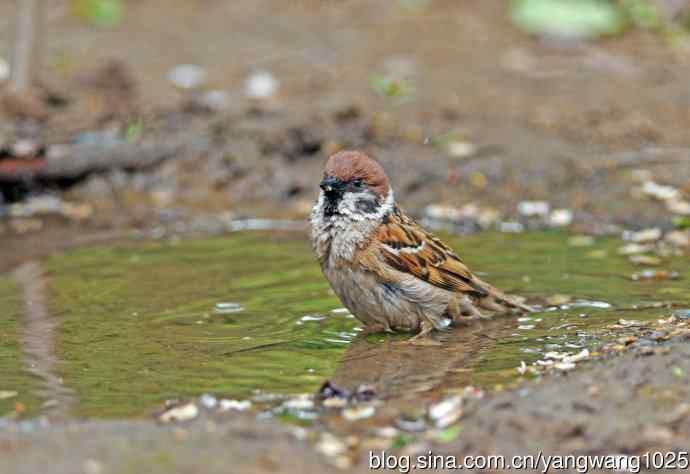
{"points": [[195, 113]]}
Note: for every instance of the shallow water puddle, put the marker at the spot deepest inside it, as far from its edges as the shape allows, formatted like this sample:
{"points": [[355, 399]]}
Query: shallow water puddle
{"points": [[18, 388], [250, 313]]}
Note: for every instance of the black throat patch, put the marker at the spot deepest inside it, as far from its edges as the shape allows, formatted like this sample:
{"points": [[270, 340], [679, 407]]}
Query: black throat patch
{"points": [[330, 205]]}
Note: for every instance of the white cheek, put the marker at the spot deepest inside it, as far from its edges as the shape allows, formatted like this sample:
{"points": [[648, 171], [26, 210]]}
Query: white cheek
{"points": [[348, 205]]}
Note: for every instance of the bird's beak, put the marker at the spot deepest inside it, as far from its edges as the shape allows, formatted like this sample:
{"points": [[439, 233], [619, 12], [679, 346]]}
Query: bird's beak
{"points": [[331, 184]]}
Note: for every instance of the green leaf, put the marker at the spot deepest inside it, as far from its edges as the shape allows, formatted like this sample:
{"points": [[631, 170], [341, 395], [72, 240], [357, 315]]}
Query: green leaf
{"points": [[643, 13], [401, 441], [567, 18], [134, 131], [99, 12], [449, 434], [394, 89], [681, 222]]}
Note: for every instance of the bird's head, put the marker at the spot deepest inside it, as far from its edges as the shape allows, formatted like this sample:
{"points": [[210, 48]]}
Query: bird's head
{"points": [[355, 185]]}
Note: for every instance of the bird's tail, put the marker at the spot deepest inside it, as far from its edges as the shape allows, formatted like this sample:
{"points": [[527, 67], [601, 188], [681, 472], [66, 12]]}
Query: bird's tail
{"points": [[498, 301]]}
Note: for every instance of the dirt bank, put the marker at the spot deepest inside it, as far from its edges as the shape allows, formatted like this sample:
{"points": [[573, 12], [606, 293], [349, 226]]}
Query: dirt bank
{"points": [[487, 115]]}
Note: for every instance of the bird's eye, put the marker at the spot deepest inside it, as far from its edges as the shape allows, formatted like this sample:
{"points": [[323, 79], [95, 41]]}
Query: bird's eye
{"points": [[358, 183]]}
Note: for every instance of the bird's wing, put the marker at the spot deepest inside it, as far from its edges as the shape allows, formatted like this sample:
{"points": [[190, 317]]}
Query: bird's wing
{"points": [[403, 245]]}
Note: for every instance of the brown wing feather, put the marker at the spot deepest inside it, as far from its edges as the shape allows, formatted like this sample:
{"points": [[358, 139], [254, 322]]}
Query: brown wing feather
{"points": [[410, 249]]}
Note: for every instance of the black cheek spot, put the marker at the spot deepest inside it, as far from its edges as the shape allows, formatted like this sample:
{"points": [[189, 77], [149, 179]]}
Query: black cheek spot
{"points": [[367, 206]]}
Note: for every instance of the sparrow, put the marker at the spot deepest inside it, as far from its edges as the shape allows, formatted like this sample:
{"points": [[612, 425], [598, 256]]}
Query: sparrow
{"points": [[387, 270]]}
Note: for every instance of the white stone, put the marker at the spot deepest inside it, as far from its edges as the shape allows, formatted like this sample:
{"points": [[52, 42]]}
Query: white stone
{"points": [[4, 69], [187, 76], [561, 217], [261, 85], [238, 405], [534, 208], [658, 191], [645, 236], [678, 206]]}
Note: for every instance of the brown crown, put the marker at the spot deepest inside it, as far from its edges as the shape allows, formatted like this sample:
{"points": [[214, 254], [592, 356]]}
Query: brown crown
{"points": [[348, 165]]}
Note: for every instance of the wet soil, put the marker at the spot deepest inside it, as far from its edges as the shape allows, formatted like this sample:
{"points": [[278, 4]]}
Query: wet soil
{"points": [[239, 444], [563, 122], [628, 405]]}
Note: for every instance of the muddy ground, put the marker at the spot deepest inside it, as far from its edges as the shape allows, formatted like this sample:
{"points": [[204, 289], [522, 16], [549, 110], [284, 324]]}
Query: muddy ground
{"points": [[570, 123], [578, 125]]}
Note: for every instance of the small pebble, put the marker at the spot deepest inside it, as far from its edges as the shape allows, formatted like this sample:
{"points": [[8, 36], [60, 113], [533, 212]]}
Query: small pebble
{"points": [[181, 412], [358, 413], [658, 191], [442, 212], [4, 69], [565, 366], [534, 208], [678, 206], [522, 370], [441, 409], [302, 403], [634, 248], [334, 402], [25, 148], [387, 432], [208, 401], [238, 405], [645, 236], [446, 412], [461, 149], [187, 76], [627, 323], [651, 274], [590, 304], [261, 85], [330, 446], [582, 355], [678, 238], [226, 308], [560, 218], [313, 317], [644, 260], [487, 218], [215, 100]]}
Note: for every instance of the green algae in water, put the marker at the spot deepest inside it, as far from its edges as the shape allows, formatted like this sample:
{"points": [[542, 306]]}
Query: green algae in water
{"points": [[143, 323], [140, 325], [601, 279], [13, 374]]}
